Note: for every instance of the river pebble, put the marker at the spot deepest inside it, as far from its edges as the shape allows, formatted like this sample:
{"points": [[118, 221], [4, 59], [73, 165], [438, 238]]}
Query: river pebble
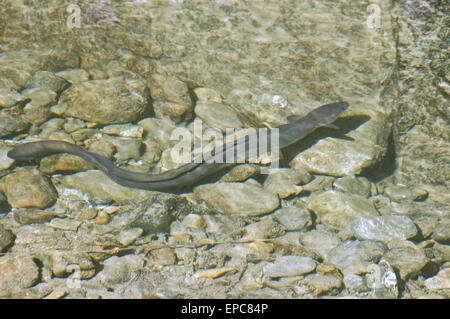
{"points": [[217, 115], [240, 173], [11, 125], [39, 97], [355, 256], [383, 228], [36, 238], [102, 146], [159, 130], [19, 65], [265, 228], [124, 130], [65, 223], [102, 218], [17, 272], [355, 282], [28, 187], [72, 124], [171, 97], [382, 280], [339, 209], [119, 269], [10, 97], [102, 187], [128, 236], [163, 257], [154, 213], [74, 76], [407, 261], [63, 263], [426, 222], [442, 231], [5, 161], [286, 182], [293, 218], [6, 237], [116, 101], [324, 283], [50, 127], [47, 80], [440, 282], [208, 94], [401, 193], [286, 266], [26, 216], [321, 240], [238, 198], [354, 185], [7, 83], [194, 221]]}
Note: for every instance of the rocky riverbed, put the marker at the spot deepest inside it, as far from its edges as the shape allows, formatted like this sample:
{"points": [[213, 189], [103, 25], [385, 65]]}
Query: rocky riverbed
{"points": [[359, 212]]}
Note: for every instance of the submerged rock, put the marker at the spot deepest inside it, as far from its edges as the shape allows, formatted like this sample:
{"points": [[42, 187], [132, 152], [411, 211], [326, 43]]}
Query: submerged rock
{"points": [[440, 282], [242, 199], [287, 266], [63, 263], [20, 65], [116, 101], [324, 283], [6, 237], [353, 185], [321, 241], [102, 187], [47, 80], [26, 216], [217, 115], [28, 187], [65, 223], [408, 261], [265, 228], [17, 272], [442, 231], [339, 209], [354, 257], [286, 182], [5, 161], [10, 97], [11, 125], [155, 213], [124, 130], [74, 75], [383, 228], [171, 97], [119, 269], [293, 218], [401, 193]]}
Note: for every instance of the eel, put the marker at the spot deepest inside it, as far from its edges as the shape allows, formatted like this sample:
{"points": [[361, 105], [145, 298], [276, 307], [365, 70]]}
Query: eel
{"points": [[189, 174]]}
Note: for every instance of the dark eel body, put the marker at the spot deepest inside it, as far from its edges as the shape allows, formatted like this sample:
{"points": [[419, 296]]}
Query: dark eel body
{"points": [[188, 174]]}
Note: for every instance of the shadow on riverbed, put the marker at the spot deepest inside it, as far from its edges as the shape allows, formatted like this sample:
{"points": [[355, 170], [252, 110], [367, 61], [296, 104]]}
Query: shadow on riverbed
{"points": [[345, 125]]}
